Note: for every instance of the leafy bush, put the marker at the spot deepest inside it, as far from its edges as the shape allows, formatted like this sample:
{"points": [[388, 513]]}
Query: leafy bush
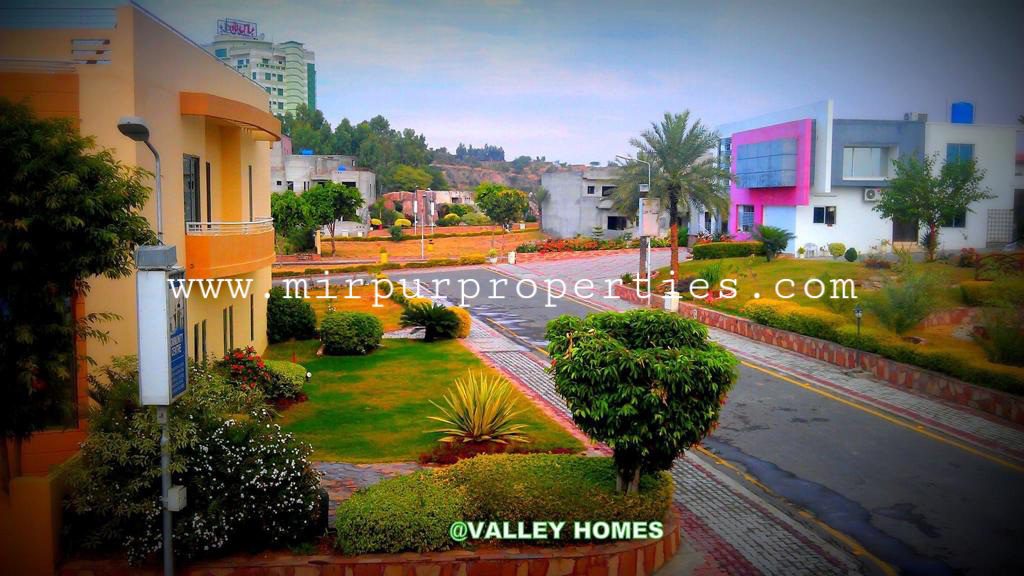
{"points": [[405, 514], [836, 249], [968, 258], [712, 273], [396, 233], [465, 260], [244, 368], [286, 380], [998, 265], [850, 255], [793, 317], [438, 322], [289, 318], [975, 292], [554, 486], [716, 250], [775, 239], [677, 381], [345, 333], [413, 513], [450, 453], [465, 322], [250, 485], [683, 236], [901, 305], [479, 409], [475, 219], [450, 220], [876, 262], [626, 279], [1004, 333]]}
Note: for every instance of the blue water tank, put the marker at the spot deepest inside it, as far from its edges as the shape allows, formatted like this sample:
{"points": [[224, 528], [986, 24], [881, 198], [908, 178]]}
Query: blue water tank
{"points": [[306, 152], [961, 113]]}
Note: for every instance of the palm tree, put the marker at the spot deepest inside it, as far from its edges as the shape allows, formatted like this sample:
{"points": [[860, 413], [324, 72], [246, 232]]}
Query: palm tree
{"points": [[683, 172]]}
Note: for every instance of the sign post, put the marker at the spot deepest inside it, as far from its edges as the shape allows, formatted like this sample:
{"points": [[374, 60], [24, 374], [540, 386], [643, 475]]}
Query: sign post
{"points": [[650, 210], [163, 362]]}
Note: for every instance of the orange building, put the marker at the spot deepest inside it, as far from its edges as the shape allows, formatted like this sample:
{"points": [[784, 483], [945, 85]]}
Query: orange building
{"points": [[213, 131]]}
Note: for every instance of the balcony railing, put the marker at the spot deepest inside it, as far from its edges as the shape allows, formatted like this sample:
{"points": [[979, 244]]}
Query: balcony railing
{"points": [[219, 249], [229, 228]]}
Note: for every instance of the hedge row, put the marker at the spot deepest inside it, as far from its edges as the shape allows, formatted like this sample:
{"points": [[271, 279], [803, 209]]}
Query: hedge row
{"points": [[412, 236], [828, 326], [433, 263], [413, 513], [715, 250]]}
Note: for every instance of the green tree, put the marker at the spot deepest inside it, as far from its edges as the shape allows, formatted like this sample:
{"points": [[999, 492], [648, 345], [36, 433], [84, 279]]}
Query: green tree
{"points": [[330, 202], [308, 130], [502, 204], [647, 383], [289, 211], [920, 193], [408, 178], [683, 172], [438, 179], [70, 212]]}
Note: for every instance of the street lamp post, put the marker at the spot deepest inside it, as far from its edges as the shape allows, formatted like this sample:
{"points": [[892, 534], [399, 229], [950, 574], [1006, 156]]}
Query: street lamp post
{"points": [[161, 260], [645, 242], [858, 313]]}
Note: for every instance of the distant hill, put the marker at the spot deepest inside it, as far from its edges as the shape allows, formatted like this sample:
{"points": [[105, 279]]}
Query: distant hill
{"points": [[467, 175]]}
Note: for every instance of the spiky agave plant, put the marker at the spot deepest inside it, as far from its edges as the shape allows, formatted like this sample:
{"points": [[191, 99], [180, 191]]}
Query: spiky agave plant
{"points": [[480, 409]]}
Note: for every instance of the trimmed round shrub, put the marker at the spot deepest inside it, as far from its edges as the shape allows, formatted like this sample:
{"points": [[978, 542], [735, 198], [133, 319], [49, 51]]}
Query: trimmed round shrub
{"points": [[451, 219], [836, 249], [286, 379], [289, 318], [465, 322], [348, 333], [850, 254], [403, 222]]}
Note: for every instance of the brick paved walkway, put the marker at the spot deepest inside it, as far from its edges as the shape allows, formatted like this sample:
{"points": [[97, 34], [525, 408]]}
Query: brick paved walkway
{"points": [[341, 479]]}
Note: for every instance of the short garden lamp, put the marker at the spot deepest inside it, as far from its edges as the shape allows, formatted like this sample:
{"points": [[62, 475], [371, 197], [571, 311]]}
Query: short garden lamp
{"points": [[858, 313]]}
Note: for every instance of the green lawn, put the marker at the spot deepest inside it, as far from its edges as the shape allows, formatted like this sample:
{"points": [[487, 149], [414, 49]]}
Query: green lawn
{"points": [[374, 408]]}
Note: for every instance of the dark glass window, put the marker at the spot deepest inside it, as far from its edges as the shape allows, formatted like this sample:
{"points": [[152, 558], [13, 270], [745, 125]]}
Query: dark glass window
{"points": [[825, 215]]}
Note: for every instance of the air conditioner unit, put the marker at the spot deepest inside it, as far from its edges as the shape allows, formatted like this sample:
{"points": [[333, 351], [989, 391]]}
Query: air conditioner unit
{"points": [[872, 194]]}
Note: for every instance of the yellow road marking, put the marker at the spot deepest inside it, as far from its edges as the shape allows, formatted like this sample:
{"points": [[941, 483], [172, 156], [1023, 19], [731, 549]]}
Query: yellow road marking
{"points": [[909, 426]]}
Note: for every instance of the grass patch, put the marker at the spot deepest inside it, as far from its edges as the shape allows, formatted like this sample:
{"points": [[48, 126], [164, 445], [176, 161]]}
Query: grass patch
{"points": [[374, 408]]}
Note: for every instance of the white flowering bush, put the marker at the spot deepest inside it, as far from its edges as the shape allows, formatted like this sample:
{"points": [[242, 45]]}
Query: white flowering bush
{"points": [[250, 485]]}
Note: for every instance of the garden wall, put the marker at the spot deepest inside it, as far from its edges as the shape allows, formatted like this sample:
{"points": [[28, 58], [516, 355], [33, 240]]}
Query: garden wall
{"points": [[570, 255], [632, 558], [1000, 404]]}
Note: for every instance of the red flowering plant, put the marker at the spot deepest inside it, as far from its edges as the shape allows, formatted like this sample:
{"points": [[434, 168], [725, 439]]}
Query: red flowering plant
{"points": [[246, 369]]}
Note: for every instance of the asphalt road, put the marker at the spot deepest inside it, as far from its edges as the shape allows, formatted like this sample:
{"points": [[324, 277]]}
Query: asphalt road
{"points": [[920, 505]]}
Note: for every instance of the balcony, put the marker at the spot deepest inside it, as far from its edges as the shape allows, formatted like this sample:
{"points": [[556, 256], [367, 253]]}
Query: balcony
{"points": [[220, 249]]}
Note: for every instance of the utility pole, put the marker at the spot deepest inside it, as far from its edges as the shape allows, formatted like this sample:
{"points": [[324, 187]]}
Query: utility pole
{"points": [[645, 241]]}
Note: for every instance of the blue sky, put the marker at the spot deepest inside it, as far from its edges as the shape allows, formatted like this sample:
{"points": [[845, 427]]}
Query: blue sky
{"points": [[574, 81]]}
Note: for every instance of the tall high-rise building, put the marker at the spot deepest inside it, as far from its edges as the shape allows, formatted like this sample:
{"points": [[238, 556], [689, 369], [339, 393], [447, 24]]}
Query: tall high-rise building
{"points": [[286, 70]]}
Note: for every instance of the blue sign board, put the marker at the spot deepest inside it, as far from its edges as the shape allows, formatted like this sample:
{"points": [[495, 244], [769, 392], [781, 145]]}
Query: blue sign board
{"points": [[179, 363]]}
